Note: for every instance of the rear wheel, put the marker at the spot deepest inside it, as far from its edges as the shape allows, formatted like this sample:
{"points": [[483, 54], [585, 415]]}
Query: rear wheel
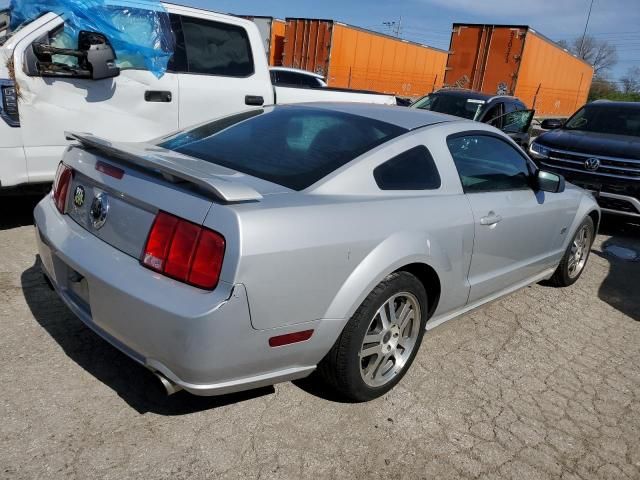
{"points": [[576, 256], [380, 342]]}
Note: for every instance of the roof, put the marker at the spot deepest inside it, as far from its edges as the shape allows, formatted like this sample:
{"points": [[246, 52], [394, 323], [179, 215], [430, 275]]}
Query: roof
{"points": [[613, 103], [461, 92], [367, 30], [528, 28], [475, 95], [408, 118]]}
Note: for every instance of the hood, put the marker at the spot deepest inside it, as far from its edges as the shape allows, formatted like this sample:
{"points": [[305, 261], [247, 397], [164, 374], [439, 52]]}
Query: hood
{"points": [[590, 143]]}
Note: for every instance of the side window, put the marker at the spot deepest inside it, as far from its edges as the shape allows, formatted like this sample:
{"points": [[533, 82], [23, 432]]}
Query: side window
{"points": [[486, 163], [411, 170], [510, 107], [492, 117], [297, 79], [214, 48]]}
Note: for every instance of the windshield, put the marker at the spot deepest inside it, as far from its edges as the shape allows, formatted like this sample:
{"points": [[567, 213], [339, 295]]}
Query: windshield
{"points": [[457, 105], [606, 119], [291, 146]]}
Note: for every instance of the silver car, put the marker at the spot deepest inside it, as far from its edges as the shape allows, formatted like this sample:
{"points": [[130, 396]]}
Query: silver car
{"points": [[264, 246]]}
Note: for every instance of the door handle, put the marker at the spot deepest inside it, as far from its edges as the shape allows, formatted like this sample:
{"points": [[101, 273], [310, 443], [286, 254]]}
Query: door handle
{"points": [[157, 96], [490, 219], [256, 100]]}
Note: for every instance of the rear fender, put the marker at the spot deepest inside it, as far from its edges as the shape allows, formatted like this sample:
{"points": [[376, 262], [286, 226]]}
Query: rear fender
{"points": [[397, 251]]}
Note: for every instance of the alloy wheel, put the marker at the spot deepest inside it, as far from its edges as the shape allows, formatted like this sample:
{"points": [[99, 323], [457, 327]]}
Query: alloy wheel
{"points": [[390, 339]]}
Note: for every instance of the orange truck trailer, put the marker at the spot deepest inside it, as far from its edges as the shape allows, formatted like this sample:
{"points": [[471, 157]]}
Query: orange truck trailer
{"points": [[272, 33], [517, 60], [353, 57]]}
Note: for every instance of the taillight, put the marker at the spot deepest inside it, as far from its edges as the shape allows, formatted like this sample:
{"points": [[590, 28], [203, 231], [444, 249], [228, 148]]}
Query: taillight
{"points": [[184, 251], [64, 174]]}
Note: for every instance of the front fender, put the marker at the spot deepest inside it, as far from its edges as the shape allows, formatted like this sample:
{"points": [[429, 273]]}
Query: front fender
{"points": [[587, 205], [398, 250]]}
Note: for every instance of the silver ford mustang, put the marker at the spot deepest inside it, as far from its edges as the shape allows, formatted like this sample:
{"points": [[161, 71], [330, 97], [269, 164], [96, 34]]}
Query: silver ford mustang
{"points": [[264, 246]]}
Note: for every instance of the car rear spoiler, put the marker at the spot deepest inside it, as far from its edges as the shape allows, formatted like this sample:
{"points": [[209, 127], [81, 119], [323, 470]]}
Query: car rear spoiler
{"points": [[172, 166]]}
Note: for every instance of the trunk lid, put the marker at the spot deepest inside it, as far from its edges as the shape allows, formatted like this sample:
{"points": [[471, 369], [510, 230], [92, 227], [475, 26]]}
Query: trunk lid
{"points": [[117, 189]]}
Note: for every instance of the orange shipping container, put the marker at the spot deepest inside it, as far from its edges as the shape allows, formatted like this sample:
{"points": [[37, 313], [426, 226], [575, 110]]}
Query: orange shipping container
{"points": [[517, 60], [352, 57]]}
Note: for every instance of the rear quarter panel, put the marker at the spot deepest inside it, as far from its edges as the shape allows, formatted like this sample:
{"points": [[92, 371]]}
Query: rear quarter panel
{"points": [[320, 261], [317, 254]]}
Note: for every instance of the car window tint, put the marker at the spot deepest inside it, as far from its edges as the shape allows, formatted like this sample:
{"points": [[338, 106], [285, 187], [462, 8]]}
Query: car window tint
{"points": [[510, 107], [297, 79], [294, 146], [216, 48], [411, 170], [486, 163], [492, 117]]}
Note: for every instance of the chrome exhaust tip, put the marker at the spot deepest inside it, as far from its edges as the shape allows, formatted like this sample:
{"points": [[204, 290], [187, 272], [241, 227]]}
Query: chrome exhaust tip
{"points": [[168, 385]]}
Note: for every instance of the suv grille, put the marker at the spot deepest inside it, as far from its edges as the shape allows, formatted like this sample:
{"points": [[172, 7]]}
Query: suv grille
{"points": [[615, 167]]}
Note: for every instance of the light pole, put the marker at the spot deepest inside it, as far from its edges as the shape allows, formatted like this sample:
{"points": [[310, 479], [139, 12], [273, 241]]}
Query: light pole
{"points": [[584, 34]]}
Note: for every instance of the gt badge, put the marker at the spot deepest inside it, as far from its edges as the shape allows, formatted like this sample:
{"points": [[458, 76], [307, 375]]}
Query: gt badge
{"points": [[78, 196]]}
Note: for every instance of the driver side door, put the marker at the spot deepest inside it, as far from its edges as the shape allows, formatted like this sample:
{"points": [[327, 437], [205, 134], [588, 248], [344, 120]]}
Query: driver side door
{"points": [[518, 230], [133, 106]]}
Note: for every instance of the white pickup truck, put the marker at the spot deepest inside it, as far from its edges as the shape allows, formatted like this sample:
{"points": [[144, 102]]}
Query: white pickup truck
{"points": [[218, 67]]}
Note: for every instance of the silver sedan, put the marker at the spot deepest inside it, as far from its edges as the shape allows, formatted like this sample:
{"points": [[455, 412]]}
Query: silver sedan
{"points": [[325, 238]]}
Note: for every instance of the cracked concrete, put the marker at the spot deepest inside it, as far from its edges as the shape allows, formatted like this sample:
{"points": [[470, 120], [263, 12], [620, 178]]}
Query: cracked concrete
{"points": [[542, 384]]}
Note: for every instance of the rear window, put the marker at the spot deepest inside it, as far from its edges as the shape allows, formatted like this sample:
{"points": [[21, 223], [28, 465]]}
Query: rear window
{"points": [[291, 146]]}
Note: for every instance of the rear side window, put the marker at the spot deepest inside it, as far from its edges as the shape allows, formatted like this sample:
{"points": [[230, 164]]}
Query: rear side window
{"points": [[297, 79], [486, 163], [214, 48], [294, 146], [411, 170]]}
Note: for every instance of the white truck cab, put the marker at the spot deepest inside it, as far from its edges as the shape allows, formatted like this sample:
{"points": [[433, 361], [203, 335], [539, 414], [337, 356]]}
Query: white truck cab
{"points": [[219, 67]]}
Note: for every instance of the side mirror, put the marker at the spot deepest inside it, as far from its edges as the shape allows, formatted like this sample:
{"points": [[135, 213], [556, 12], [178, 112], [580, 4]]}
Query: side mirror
{"points": [[94, 59], [551, 124], [99, 55], [550, 182]]}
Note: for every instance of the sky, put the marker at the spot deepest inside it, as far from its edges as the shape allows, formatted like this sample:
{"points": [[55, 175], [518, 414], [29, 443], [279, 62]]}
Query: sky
{"points": [[429, 21]]}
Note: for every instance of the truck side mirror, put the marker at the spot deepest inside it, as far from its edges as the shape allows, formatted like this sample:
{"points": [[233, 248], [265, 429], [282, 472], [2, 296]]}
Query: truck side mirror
{"points": [[551, 124], [99, 55], [94, 58]]}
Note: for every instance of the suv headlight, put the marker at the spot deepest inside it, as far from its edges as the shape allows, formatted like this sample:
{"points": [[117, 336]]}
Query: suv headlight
{"points": [[539, 151]]}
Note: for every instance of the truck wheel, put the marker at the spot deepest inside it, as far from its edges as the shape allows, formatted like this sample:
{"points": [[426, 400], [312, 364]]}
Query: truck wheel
{"points": [[380, 341], [576, 256]]}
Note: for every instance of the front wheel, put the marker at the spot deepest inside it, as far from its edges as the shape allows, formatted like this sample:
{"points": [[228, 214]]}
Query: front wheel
{"points": [[380, 341], [576, 256]]}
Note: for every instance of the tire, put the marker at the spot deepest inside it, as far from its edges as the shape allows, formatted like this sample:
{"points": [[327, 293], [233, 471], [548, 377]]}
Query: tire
{"points": [[350, 368], [565, 275]]}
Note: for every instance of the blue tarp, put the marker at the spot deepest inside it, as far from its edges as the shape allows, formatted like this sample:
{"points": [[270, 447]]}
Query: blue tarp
{"points": [[139, 31]]}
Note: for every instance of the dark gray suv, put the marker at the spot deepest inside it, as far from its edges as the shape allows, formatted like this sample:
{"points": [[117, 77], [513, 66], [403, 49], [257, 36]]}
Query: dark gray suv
{"points": [[506, 113]]}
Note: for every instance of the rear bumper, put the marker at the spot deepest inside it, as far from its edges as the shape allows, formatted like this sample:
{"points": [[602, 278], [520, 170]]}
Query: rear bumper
{"points": [[202, 341]]}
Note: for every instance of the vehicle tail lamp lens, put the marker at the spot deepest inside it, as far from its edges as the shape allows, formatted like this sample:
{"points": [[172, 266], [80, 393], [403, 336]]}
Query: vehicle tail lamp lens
{"points": [[184, 251], [290, 338], [64, 174]]}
